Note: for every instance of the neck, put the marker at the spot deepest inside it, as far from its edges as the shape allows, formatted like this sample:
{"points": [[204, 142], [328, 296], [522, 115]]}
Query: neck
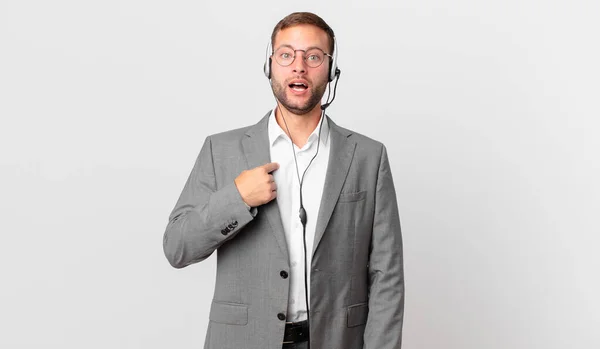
{"points": [[300, 126]]}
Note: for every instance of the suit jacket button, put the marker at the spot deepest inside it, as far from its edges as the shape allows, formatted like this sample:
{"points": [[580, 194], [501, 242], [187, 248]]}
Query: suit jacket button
{"points": [[224, 231], [283, 274], [281, 316]]}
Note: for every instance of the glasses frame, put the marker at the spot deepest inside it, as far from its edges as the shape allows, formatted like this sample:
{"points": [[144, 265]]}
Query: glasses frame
{"points": [[303, 56]]}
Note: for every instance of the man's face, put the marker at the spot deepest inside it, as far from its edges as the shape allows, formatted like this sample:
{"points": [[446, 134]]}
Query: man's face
{"points": [[298, 87]]}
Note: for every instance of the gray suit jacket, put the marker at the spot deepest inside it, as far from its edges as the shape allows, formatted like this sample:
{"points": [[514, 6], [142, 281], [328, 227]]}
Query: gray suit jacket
{"points": [[357, 281]]}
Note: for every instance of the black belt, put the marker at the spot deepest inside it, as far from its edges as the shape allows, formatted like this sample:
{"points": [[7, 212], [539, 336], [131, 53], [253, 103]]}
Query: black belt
{"points": [[295, 332]]}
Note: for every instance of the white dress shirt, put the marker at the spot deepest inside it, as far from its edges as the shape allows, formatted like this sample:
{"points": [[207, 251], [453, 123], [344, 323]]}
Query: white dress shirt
{"points": [[288, 200]]}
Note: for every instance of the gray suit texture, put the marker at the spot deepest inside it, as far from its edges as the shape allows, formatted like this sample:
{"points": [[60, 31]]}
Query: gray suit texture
{"points": [[357, 277]]}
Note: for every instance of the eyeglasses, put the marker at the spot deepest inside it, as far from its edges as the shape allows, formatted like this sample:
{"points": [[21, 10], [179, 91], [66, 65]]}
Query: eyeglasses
{"points": [[314, 57]]}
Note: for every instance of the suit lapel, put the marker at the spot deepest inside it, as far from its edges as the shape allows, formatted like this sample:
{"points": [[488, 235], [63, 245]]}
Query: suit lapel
{"points": [[257, 152], [340, 158]]}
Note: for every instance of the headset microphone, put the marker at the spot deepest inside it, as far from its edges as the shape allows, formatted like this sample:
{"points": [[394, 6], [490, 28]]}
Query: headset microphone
{"points": [[337, 75]]}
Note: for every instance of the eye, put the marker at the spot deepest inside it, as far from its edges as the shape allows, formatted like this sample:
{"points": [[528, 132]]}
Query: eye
{"points": [[314, 57], [286, 55]]}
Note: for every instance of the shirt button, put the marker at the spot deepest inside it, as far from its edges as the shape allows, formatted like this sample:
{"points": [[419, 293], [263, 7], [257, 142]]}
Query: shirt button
{"points": [[281, 316], [283, 274]]}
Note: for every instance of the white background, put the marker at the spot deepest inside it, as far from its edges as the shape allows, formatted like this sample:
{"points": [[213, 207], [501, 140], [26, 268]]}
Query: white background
{"points": [[489, 110]]}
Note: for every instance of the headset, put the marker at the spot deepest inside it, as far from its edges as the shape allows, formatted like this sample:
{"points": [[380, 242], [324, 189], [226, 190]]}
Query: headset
{"points": [[333, 68], [334, 74]]}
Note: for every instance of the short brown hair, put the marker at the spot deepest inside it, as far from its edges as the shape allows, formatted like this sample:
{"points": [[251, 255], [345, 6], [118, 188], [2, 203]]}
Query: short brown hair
{"points": [[298, 18]]}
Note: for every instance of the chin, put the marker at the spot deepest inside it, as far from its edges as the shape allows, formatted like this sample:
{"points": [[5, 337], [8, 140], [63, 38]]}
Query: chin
{"points": [[300, 109]]}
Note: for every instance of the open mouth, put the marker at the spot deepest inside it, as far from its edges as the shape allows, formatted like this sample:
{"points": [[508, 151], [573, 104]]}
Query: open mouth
{"points": [[298, 86]]}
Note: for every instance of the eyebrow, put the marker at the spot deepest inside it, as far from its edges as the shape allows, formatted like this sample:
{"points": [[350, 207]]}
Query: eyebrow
{"points": [[307, 49]]}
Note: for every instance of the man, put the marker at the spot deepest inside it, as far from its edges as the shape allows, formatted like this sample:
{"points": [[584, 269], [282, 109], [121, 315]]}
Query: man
{"points": [[295, 190]]}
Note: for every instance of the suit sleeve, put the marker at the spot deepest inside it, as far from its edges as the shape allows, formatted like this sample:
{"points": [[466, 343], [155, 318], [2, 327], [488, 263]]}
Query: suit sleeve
{"points": [[205, 216], [386, 271]]}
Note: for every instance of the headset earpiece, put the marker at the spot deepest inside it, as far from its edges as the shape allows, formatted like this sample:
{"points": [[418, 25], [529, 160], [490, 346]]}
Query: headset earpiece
{"points": [[267, 67], [333, 68]]}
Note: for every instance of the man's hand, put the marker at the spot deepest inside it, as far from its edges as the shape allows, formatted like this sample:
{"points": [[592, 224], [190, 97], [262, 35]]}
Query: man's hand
{"points": [[257, 186]]}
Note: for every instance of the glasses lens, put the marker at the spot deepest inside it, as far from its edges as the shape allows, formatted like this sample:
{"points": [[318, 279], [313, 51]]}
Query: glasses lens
{"points": [[314, 57], [284, 56]]}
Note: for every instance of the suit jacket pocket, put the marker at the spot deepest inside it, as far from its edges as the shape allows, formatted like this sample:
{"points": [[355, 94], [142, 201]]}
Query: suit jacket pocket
{"points": [[357, 314], [229, 313], [350, 197]]}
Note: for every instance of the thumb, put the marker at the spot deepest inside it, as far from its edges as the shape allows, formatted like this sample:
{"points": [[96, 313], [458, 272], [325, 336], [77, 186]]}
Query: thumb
{"points": [[270, 167]]}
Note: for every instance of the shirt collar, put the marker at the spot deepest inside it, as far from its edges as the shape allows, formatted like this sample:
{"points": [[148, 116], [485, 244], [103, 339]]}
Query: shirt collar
{"points": [[276, 132]]}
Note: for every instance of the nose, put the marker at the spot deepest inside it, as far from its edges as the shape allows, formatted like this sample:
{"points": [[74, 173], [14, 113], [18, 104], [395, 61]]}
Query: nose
{"points": [[299, 64]]}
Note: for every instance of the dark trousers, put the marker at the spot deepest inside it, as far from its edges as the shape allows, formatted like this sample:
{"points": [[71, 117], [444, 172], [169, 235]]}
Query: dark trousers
{"points": [[296, 335], [301, 345]]}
